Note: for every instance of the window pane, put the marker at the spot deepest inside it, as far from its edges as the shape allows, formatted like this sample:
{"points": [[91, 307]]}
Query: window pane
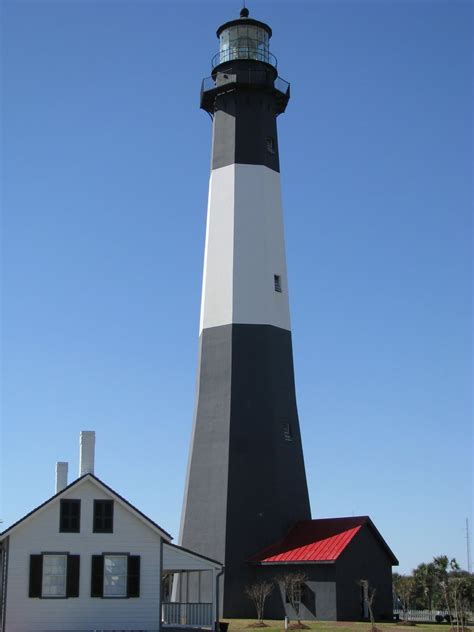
{"points": [[115, 586], [116, 564], [55, 564]]}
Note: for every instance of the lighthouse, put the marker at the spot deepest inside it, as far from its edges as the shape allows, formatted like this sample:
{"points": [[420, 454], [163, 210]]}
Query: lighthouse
{"points": [[246, 483]]}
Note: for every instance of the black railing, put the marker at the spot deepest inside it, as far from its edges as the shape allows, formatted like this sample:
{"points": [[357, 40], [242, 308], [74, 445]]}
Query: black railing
{"points": [[230, 54], [245, 77], [233, 78]]}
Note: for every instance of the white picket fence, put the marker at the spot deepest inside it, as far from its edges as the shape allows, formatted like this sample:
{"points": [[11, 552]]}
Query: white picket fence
{"points": [[426, 616]]}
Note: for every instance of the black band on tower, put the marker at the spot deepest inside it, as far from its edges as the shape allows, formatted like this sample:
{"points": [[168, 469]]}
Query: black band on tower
{"points": [[246, 478], [245, 130]]}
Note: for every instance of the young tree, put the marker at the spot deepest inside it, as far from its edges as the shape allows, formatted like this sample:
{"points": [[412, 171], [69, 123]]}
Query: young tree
{"points": [[293, 585], [258, 593], [444, 568], [369, 597], [459, 596]]}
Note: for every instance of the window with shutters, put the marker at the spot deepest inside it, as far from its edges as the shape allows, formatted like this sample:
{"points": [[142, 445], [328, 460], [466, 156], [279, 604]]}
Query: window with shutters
{"points": [[69, 515], [103, 516], [115, 575], [54, 575]]}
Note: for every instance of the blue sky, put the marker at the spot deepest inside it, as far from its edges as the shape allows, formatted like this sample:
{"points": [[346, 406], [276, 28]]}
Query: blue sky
{"points": [[105, 166]]}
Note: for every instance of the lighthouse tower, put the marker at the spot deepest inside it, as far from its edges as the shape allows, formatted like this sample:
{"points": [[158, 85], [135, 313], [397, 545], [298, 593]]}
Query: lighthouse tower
{"points": [[246, 482]]}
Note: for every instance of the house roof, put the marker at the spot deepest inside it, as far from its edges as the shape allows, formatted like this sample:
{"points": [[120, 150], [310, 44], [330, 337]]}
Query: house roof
{"points": [[194, 554], [319, 541], [76, 483]]}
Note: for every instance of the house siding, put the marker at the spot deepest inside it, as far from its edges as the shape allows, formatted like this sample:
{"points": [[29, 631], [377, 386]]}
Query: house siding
{"points": [[41, 534], [319, 599], [366, 559]]}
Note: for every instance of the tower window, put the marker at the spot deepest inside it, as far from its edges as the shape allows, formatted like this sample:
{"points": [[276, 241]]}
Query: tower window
{"points": [[287, 434], [270, 145], [277, 282]]}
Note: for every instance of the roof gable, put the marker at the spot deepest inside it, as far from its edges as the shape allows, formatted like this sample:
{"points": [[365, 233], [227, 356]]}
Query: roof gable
{"points": [[319, 541], [103, 487]]}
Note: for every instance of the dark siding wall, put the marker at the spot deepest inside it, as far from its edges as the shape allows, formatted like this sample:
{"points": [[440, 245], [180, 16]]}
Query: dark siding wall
{"points": [[364, 558], [319, 596]]}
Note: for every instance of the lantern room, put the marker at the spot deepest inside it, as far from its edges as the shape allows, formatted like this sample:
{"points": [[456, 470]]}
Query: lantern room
{"points": [[244, 38]]}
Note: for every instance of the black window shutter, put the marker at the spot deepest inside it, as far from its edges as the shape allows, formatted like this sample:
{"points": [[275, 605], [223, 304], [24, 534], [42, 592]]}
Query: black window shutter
{"points": [[109, 516], [133, 579], [72, 580], [36, 575], [97, 576]]}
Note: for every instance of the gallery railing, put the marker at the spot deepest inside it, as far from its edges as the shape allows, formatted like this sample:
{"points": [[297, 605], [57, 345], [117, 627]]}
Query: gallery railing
{"points": [[222, 82]]}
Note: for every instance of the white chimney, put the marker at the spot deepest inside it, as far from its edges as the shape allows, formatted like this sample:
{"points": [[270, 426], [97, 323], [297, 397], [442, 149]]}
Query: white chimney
{"points": [[87, 452], [61, 475]]}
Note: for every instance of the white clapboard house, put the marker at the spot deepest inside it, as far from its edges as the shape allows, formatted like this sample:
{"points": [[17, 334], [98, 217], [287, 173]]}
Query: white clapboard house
{"points": [[87, 559]]}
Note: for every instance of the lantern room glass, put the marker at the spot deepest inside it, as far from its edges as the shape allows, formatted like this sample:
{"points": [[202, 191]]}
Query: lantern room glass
{"points": [[244, 42]]}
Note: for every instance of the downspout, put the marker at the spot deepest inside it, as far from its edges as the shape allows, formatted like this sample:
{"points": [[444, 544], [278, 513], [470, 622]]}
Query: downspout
{"points": [[4, 578], [216, 623], [160, 627]]}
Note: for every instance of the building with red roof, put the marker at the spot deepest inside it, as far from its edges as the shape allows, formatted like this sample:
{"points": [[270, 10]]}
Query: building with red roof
{"points": [[340, 558]]}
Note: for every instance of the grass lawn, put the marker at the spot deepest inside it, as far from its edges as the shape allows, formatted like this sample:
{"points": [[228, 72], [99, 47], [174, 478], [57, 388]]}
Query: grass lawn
{"points": [[338, 626]]}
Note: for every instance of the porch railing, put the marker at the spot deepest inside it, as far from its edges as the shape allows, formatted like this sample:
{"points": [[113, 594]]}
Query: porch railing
{"points": [[183, 613]]}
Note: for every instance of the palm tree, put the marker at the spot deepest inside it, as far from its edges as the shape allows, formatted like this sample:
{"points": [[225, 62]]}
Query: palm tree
{"points": [[426, 582]]}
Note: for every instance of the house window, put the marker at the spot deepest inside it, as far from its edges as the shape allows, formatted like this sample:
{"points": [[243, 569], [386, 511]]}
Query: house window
{"points": [[54, 575], [277, 282], [270, 145], [293, 594], [297, 594], [115, 576], [287, 433], [103, 516], [69, 516]]}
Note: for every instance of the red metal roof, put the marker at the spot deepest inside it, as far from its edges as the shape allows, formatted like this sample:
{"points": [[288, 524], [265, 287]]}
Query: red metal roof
{"points": [[316, 541]]}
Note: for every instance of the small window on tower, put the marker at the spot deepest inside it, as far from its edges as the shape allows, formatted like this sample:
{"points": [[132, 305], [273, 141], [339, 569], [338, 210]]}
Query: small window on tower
{"points": [[270, 145], [277, 282], [287, 434]]}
